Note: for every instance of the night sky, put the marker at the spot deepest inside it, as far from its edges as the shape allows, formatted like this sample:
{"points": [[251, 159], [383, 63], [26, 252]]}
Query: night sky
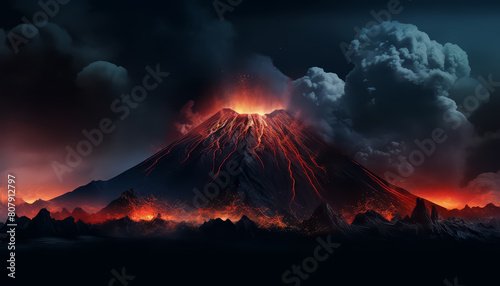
{"points": [[430, 74]]}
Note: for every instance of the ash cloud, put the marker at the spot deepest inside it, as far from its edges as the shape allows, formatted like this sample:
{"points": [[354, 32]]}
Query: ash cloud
{"points": [[401, 77], [396, 94], [316, 101]]}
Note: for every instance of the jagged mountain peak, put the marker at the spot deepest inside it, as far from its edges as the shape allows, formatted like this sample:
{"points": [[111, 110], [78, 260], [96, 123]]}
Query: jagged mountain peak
{"points": [[128, 195], [420, 213]]}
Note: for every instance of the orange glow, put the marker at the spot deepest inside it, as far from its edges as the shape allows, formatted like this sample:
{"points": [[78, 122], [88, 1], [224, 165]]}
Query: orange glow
{"points": [[370, 204], [41, 183], [246, 96], [149, 208], [3, 196], [251, 98], [446, 201], [455, 198], [252, 104]]}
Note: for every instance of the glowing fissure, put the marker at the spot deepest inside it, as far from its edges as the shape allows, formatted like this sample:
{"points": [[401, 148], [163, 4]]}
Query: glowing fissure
{"points": [[278, 133]]}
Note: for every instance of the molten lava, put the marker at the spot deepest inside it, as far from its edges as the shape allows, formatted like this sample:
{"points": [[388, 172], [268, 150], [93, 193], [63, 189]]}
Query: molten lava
{"points": [[277, 135], [247, 104], [249, 96], [149, 208]]}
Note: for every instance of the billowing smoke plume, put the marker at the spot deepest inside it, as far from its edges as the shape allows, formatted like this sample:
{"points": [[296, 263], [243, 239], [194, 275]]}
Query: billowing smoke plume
{"points": [[394, 112], [316, 99]]}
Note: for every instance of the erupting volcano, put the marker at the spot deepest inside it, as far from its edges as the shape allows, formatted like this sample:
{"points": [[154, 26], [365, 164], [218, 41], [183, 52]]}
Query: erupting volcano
{"points": [[271, 163], [252, 142]]}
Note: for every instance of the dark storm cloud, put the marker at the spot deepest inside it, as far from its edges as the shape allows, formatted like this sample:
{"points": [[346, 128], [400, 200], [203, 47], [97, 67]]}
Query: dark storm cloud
{"points": [[475, 100], [102, 78], [48, 97], [317, 100], [404, 86], [269, 76], [397, 93], [401, 77], [40, 81], [483, 156]]}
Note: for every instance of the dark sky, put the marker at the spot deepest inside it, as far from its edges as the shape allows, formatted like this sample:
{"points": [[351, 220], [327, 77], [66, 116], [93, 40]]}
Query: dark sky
{"points": [[65, 78]]}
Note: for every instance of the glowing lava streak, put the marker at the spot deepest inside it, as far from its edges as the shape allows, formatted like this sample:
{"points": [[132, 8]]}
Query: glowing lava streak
{"points": [[404, 198], [275, 135]]}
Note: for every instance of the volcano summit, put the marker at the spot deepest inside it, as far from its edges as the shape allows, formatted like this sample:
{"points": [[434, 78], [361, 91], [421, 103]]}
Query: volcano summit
{"points": [[270, 162]]}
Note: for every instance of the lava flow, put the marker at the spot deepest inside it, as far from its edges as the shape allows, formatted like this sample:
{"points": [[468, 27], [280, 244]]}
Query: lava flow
{"points": [[258, 136]]}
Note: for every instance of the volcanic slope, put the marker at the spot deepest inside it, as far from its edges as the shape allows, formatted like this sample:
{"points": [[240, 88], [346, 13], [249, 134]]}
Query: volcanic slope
{"points": [[272, 162]]}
